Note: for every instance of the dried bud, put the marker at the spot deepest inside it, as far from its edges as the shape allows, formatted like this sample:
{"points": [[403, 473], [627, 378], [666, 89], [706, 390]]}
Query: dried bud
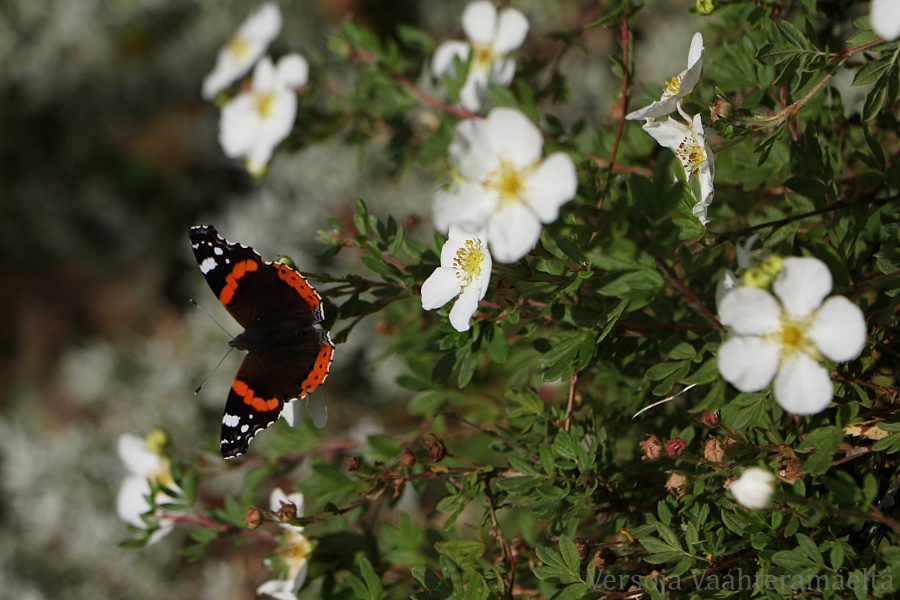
{"points": [[709, 418], [651, 447], [406, 458], [351, 463], [287, 512], [583, 546], [675, 446], [714, 451], [678, 483], [253, 518], [604, 558], [435, 446]]}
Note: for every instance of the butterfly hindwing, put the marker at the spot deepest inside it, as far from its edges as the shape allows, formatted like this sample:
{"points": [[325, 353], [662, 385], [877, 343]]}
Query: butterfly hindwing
{"points": [[287, 356]]}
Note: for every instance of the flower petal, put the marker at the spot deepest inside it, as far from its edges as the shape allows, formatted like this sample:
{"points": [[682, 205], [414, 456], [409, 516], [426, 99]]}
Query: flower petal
{"points": [[512, 135], [263, 24], [471, 151], [839, 329], [466, 204], [479, 21], [885, 18], [803, 386], [553, 184], [691, 76], [440, 288], [502, 71], [669, 133], [474, 89], [137, 457], [802, 285], [512, 27], [293, 70], [512, 232], [238, 124], [465, 306], [265, 77], [748, 363], [444, 56], [750, 311], [753, 489], [131, 502]]}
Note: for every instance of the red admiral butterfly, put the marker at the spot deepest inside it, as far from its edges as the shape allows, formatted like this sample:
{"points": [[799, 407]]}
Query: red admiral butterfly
{"points": [[287, 357]]}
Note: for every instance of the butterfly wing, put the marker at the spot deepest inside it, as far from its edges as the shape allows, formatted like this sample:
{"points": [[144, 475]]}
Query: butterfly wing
{"points": [[230, 270], [263, 386]]}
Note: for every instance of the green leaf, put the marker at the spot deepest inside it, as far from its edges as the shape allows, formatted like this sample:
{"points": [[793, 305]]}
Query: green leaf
{"points": [[461, 551], [822, 443]]}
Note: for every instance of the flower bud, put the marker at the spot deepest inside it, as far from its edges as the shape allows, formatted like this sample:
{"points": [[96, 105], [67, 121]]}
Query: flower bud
{"points": [[287, 512], [406, 458], [435, 446], [678, 483], [652, 447], [604, 558], [253, 518], [351, 463], [675, 446], [583, 546], [714, 451]]}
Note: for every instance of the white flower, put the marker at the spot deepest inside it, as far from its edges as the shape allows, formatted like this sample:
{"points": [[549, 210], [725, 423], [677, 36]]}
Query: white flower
{"points": [[885, 18], [678, 87], [785, 339], [257, 120], [465, 272], [504, 187], [243, 49], [689, 144], [492, 38], [145, 463], [754, 488], [292, 557]]}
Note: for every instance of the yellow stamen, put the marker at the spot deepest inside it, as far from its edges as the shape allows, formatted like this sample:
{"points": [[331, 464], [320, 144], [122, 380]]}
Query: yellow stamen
{"points": [[672, 87], [238, 47], [468, 260], [482, 57], [691, 154], [263, 102], [508, 181]]}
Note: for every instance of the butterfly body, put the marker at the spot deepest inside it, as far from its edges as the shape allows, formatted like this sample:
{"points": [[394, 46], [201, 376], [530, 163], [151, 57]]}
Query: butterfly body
{"points": [[288, 356]]}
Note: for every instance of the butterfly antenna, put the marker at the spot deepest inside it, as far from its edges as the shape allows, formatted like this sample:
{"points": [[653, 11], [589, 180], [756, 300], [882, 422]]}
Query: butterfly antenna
{"points": [[206, 312], [197, 304], [200, 387]]}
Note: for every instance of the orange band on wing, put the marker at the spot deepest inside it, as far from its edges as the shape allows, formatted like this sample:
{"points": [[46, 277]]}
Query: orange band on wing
{"points": [[299, 283], [231, 282], [243, 390]]}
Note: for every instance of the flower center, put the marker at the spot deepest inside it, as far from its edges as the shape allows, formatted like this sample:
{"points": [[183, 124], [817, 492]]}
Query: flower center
{"points": [[238, 47], [468, 260], [792, 338], [672, 87], [295, 548], [263, 101], [508, 181], [483, 56], [691, 154]]}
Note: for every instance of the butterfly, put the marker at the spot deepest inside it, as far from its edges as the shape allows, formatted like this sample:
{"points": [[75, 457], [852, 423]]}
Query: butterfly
{"points": [[288, 356]]}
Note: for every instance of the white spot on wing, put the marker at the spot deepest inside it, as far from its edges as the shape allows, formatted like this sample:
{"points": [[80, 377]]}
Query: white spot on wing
{"points": [[231, 420], [208, 264], [218, 251]]}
